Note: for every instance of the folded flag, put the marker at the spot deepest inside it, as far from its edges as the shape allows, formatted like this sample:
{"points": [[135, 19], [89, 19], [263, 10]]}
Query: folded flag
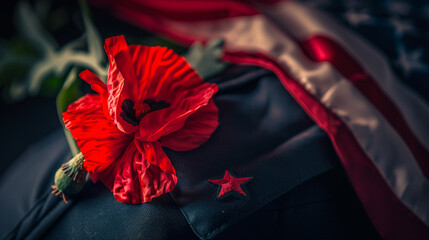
{"points": [[377, 125]]}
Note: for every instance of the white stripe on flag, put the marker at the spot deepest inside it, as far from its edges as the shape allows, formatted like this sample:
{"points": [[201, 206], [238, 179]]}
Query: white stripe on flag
{"points": [[303, 22], [375, 135]]}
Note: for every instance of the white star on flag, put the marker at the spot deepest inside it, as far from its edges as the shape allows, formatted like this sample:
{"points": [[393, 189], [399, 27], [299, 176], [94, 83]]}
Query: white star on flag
{"points": [[410, 61]]}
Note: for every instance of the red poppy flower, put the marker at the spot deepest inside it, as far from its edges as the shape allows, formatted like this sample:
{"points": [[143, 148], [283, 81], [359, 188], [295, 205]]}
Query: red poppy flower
{"points": [[153, 99]]}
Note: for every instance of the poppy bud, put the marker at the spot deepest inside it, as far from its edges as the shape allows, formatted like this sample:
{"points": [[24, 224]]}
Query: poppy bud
{"points": [[70, 177]]}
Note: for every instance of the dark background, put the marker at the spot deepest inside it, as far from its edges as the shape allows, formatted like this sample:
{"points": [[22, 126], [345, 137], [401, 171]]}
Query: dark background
{"points": [[25, 122]]}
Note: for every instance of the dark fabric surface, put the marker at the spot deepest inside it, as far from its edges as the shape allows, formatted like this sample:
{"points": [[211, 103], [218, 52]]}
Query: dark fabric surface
{"points": [[324, 207], [263, 133], [97, 215], [29, 211], [25, 188]]}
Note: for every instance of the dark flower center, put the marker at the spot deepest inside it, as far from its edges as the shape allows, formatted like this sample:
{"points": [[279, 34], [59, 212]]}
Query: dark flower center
{"points": [[141, 109], [133, 113]]}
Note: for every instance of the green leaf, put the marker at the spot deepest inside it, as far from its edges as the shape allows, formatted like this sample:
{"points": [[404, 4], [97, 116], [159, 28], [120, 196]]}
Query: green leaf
{"points": [[67, 95], [206, 59], [54, 60], [51, 86]]}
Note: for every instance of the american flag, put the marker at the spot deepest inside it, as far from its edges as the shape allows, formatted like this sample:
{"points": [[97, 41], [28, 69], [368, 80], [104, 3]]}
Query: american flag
{"points": [[359, 70]]}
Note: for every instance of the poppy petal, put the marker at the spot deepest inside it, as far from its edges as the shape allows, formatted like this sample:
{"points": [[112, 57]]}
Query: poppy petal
{"points": [[197, 129], [99, 140], [121, 81], [165, 76], [165, 121], [162, 73], [145, 173], [95, 82], [98, 86], [151, 94]]}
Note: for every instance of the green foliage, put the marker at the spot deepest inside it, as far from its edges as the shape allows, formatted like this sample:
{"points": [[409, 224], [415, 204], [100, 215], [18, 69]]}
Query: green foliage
{"points": [[51, 85], [206, 59], [68, 94], [36, 57]]}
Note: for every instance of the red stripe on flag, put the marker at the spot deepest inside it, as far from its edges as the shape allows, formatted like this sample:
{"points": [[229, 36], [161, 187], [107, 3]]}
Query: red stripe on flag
{"points": [[148, 21], [320, 48], [389, 215], [184, 10]]}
